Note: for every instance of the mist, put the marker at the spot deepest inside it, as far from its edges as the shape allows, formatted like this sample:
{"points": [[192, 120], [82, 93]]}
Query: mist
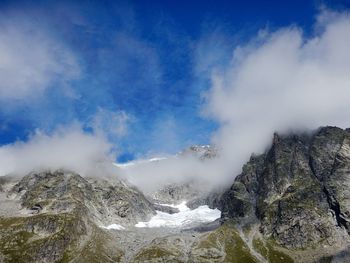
{"points": [[151, 175], [68, 148], [280, 81], [32, 59]]}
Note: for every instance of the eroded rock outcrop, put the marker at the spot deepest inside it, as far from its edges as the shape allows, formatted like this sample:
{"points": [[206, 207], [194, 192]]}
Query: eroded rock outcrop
{"points": [[298, 191], [60, 218]]}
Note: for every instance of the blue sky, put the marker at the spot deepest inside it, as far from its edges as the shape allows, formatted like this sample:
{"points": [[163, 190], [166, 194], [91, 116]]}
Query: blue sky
{"points": [[143, 65]]}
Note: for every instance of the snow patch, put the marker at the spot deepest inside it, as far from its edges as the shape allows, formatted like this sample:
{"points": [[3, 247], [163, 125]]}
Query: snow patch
{"points": [[113, 226], [184, 217], [138, 162], [182, 206]]}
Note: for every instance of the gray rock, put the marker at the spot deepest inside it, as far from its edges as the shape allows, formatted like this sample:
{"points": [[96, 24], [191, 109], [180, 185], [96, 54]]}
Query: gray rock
{"points": [[106, 201], [298, 190], [166, 209]]}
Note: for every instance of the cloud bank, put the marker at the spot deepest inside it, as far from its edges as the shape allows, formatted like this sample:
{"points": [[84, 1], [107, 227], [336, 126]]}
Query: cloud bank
{"points": [[282, 81], [150, 175], [67, 148]]}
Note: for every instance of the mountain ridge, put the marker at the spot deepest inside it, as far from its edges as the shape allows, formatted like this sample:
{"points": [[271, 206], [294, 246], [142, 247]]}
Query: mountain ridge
{"points": [[289, 204], [297, 190]]}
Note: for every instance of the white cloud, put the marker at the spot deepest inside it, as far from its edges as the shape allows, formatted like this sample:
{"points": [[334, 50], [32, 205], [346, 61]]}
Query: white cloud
{"points": [[152, 175], [211, 51], [282, 81], [114, 123], [31, 59], [66, 148]]}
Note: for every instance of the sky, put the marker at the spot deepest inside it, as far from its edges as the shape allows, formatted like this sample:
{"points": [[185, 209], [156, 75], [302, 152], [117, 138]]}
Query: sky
{"points": [[143, 77]]}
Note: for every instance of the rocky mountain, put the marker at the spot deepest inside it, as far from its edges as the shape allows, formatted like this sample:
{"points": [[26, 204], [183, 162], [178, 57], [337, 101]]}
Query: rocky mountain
{"points": [[202, 152], [297, 197], [57, 216], [290, 204]]}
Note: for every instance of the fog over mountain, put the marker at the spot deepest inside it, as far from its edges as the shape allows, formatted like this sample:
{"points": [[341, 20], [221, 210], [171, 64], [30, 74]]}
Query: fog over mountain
{"points": [[280, 81], [67, 148], [175, 132]]}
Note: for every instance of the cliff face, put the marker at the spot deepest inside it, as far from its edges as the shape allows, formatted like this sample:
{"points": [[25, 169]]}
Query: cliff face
{"points": [[298, 192], [57, 217], [101, 199]]}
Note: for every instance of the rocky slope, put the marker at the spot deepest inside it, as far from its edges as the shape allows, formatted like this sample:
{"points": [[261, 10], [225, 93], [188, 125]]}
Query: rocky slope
{"points": [[196, 192], [56, 217], [290, 204], [297, 194]]}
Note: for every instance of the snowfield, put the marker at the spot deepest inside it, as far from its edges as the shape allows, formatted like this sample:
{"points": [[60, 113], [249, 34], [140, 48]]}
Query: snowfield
{"points": [[138, 162], [114, 227], [185, 217]]}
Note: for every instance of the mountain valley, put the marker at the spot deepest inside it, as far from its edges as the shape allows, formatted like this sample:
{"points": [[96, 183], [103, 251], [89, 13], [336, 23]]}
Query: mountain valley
{"points": [[289, 204]]}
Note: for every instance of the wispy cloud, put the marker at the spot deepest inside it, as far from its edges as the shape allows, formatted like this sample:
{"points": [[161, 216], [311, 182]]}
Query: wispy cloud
{"points": [[66, 148], [282, 81], [119, 80], [112, 123], [31, 59], [104, 78]]}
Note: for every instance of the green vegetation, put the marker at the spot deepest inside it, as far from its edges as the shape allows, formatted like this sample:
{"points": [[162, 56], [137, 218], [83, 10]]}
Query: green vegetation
{"points": [[227, 239], [99, 248], [27, 239], [155, 252], [326, 259], [270, 253]]}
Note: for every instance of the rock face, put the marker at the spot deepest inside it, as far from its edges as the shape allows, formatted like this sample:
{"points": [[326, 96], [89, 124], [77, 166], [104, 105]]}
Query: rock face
{"points": [[202, 152], [60, 216], [195, 192], [104, 200], [298, 192], [175, 193]]}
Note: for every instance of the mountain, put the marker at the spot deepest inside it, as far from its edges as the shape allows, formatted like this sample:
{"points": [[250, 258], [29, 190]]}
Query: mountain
{"points": [[290, 204], [53, 216], [297, 196]]}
